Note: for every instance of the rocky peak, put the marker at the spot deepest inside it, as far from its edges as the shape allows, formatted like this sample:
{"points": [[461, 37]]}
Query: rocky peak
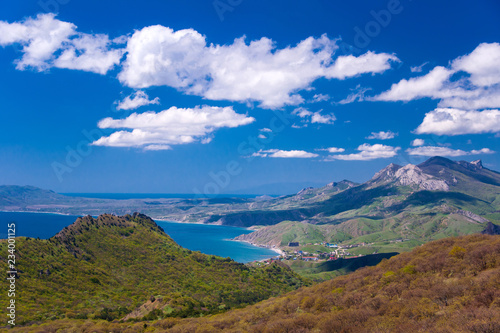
{"points": [[412, 175], [386, 173], [305, 190]]}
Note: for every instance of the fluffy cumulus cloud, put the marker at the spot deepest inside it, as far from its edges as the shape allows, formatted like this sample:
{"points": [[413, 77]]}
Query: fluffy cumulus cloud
{"points": [[470, 82], [157, 131], [241, 71], [277, 153], [482, 64], [448, 121], [382, 135], [445, 151], [318, 118], [48, 42], [136, 100], [368, 152], [429, 85]]}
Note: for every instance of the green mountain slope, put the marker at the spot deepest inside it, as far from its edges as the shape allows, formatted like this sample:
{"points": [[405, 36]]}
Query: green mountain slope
{"points": [[438, 198], [109, 266], [450, 285]]}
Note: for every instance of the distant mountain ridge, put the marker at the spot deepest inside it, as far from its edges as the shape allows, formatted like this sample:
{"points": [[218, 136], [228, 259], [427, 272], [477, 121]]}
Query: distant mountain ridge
{"points": [[434, 199], [416, 203]]}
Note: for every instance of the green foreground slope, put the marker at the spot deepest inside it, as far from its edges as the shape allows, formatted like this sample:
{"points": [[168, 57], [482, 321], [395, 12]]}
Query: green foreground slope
{"points": [[107, 267], [450, 285]]}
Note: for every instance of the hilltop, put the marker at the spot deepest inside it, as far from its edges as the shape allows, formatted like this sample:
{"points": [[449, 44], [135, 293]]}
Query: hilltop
{"points": [[450, 285], [111, 267]]}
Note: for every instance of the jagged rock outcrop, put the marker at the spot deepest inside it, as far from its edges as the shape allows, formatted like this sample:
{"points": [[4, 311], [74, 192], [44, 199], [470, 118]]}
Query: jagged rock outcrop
{"points": [[472, 216], [412, 175], [386, 174], [473, 166], [409, 175]]}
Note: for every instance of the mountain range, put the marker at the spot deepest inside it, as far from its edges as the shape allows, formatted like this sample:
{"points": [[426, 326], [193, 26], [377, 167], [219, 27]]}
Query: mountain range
{"points": [[399, 208]]}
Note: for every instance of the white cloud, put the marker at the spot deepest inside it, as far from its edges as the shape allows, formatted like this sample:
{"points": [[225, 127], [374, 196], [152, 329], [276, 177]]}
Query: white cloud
{"points": [[418, 69], [241, 71], [159, 56], [449, 121], [314, 117], [157, 147], [302, 112], [48, 42], [370, 62], [368, 152], [277, 153], [320, 98], [358, 94], [417, 142], [262, 136], [136, 100], [483, 64], [170, 127], [476, 99], [265, 130], [89, 53], [40, 37], [429, 85], [382, 135], [470, 82], [445, 151], [333, 150], [318, 118]]}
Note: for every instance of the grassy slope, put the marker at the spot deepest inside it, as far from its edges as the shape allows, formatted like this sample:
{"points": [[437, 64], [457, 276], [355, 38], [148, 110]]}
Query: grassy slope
{"points": [[108, 266], [450, 285]]}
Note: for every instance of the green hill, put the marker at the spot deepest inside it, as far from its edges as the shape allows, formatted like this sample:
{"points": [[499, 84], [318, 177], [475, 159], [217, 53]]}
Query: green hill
{"points": [[110, 266], [450, 285]]}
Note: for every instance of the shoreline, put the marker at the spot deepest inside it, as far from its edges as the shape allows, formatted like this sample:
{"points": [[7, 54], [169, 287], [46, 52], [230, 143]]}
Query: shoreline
{"points": [[35, 212], [275, 249]]}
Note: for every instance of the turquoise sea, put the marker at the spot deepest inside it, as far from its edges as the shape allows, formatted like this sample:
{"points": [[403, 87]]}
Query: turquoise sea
{"points": [[209, 239]]}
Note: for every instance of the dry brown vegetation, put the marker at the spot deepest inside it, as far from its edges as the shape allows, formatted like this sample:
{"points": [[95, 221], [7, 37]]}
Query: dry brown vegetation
{"points": [[450, 285]]}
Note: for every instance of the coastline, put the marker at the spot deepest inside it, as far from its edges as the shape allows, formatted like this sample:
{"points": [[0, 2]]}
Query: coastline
{"points": [[275, 249], [35, 212]]}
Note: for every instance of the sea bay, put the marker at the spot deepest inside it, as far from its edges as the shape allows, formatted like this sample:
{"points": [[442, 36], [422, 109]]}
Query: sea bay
{"points": [[208, 239]]}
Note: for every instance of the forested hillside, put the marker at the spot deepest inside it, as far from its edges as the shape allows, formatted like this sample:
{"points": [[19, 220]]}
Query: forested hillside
{"points": [[107, 267]]}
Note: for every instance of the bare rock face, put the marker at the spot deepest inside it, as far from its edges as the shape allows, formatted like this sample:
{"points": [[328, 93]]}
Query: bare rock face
{"points": [[412, 175], [472, 216], [473, 166], [386, 173]]}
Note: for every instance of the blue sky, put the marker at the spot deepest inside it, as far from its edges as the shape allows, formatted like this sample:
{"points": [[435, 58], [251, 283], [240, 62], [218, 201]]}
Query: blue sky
{"points": [[235, 95]]}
